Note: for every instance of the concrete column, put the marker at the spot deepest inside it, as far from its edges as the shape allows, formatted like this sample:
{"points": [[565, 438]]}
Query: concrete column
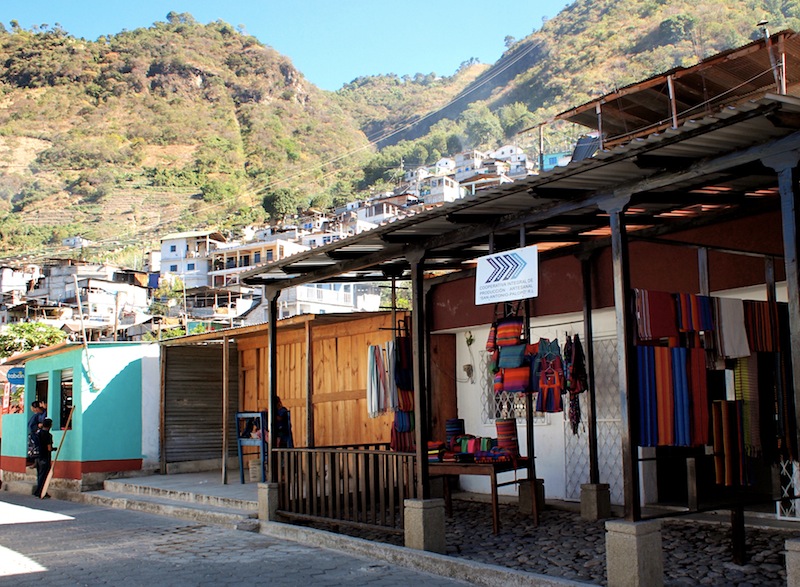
{"points": [[268, 502], [595, 501], [424, 524], [525, 503], [793, 562], [633, 554]]}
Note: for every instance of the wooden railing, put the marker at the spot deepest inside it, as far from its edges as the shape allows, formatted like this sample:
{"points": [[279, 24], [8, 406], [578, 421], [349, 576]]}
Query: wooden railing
{"points": [[355, 486]]}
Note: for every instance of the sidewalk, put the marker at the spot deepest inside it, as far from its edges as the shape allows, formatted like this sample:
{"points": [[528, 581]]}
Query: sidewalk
{"points": [[563, 549]]}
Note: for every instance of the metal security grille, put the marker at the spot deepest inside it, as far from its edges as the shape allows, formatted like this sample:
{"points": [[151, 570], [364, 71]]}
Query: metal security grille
{"points": [[609, 429], [504, 404], [193, 402]]}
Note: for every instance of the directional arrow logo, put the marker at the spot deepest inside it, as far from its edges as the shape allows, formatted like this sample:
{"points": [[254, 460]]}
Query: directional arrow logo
{"points": [[505, 267]]}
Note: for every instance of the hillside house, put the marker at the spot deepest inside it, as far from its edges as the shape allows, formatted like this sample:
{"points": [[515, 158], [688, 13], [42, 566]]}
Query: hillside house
{"points": [[188, 255]]}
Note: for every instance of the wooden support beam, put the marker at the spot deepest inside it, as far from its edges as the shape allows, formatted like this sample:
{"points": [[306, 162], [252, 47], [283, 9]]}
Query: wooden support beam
{"points": [[420, 368], [272, 294], [622, 302], [785, 165], [588, 339], [226, 390]]}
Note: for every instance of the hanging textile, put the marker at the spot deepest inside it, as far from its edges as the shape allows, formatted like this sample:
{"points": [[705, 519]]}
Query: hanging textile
{"points": [[507, 435], [377, 384], [576, 378], [680, 387], [761, 325], [648, 408], [745, 375], [664, 396], [655, 314], [695, 313], [730, 466], [393, 399], [551, 377], [730, 335], [403, 365], [698, 390]]}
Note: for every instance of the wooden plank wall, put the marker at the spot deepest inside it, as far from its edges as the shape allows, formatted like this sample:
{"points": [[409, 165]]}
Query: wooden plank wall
{"points": [[340, 382], [339, 352]]}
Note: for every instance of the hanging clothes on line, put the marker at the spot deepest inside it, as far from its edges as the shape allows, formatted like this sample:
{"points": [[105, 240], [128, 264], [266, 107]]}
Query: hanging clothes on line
{"points": [[730, 335], [655, 314], [695, 313], [577, 380], [550, 377], [377, 384]]}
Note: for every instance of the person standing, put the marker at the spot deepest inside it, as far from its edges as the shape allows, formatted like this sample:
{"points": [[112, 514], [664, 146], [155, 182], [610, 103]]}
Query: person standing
{"points": [[45, 459]]}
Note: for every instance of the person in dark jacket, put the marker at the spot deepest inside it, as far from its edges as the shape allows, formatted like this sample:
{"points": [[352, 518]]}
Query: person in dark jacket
{"points": [[45, 459]]}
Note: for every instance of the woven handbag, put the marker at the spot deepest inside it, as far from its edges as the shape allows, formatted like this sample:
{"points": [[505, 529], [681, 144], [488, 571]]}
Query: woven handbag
{"points": [[512, 356], [516, 380]]}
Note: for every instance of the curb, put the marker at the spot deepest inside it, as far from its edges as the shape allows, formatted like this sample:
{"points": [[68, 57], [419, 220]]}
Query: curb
{"points": [[436, 564]]}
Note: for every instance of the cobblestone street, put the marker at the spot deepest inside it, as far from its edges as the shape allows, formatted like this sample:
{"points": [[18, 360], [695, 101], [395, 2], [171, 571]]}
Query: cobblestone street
{"points": [[103, 546]]}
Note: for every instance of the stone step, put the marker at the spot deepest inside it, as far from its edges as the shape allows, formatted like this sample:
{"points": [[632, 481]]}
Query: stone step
{"points": [[130, 487], [19, 486], [231, 517]]}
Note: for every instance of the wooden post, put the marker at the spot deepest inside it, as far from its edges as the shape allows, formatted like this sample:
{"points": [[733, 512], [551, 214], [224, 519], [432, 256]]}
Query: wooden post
{"points": [[225, 400], [672, 105], [420, 367], [786, 166], [588, 339], [272, 294], [622, 297], [310, 442]]}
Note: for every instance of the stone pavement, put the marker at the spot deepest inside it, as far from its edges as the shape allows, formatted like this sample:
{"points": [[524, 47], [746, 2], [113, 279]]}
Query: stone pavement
{"points": [[103, 546], [696, 549]]}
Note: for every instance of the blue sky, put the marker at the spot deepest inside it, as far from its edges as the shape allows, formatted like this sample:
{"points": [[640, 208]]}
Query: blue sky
{"points": [[331, 42]]}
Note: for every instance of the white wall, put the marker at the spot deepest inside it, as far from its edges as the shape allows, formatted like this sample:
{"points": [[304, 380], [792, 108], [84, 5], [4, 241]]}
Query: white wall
{"points": [[151, 406], [549, 437]]}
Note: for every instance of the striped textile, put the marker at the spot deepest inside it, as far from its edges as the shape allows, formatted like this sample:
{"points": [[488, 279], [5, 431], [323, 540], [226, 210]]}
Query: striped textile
{"points": [[648, 409], [745, 376], [698, 396], [507, 435], [664, 396], [453, 427], [760, 323], [680, 387], [695, 313], [655, 314]]}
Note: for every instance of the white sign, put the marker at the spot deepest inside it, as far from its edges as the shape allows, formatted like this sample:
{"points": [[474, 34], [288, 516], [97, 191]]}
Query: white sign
{"points": [[507, 276]]}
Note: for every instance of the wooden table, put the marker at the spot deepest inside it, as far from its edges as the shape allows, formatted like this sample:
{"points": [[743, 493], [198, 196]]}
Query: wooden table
{"points": [[445, 469]]}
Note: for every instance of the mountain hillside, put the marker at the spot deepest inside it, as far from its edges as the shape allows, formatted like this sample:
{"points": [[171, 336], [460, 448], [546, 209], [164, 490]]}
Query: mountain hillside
{"points": [[182, 125], [593, 47], [165, 128]]}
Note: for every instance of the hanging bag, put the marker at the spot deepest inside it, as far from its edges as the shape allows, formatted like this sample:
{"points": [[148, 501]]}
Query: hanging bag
{"points": [[511, 357], [509, 329]]}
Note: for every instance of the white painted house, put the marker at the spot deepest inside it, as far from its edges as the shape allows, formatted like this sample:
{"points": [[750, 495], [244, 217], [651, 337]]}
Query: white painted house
{"points": [[188, 255]]}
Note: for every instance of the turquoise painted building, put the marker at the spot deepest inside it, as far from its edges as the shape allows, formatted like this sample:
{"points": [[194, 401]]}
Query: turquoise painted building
{"points": [[115, 390]]}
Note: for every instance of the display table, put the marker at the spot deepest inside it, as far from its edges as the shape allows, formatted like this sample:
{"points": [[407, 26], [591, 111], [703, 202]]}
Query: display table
{"points": [[446, 469]]}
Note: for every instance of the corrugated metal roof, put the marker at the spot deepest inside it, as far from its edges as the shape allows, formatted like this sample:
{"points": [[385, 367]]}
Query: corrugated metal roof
{"points": [[713, 161]]}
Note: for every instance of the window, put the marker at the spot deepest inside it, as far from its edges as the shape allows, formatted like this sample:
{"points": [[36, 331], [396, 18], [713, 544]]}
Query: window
{"points": [[245, 261], [42, 385], [269, 256], [173, 268], [65, 399], [257, 257], [190, 267], [172, 248]]}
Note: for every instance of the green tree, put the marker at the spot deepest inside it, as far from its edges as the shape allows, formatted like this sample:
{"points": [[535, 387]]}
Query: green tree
{"points": [[26, 336], [481, 125]]}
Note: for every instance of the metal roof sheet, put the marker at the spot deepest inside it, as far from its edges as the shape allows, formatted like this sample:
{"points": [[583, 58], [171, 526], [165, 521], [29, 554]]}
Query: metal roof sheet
{"points": [[706, 165]]}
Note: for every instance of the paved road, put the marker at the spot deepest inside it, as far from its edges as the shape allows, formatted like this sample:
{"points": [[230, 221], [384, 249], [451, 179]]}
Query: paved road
{"points": [[57, 543]]}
